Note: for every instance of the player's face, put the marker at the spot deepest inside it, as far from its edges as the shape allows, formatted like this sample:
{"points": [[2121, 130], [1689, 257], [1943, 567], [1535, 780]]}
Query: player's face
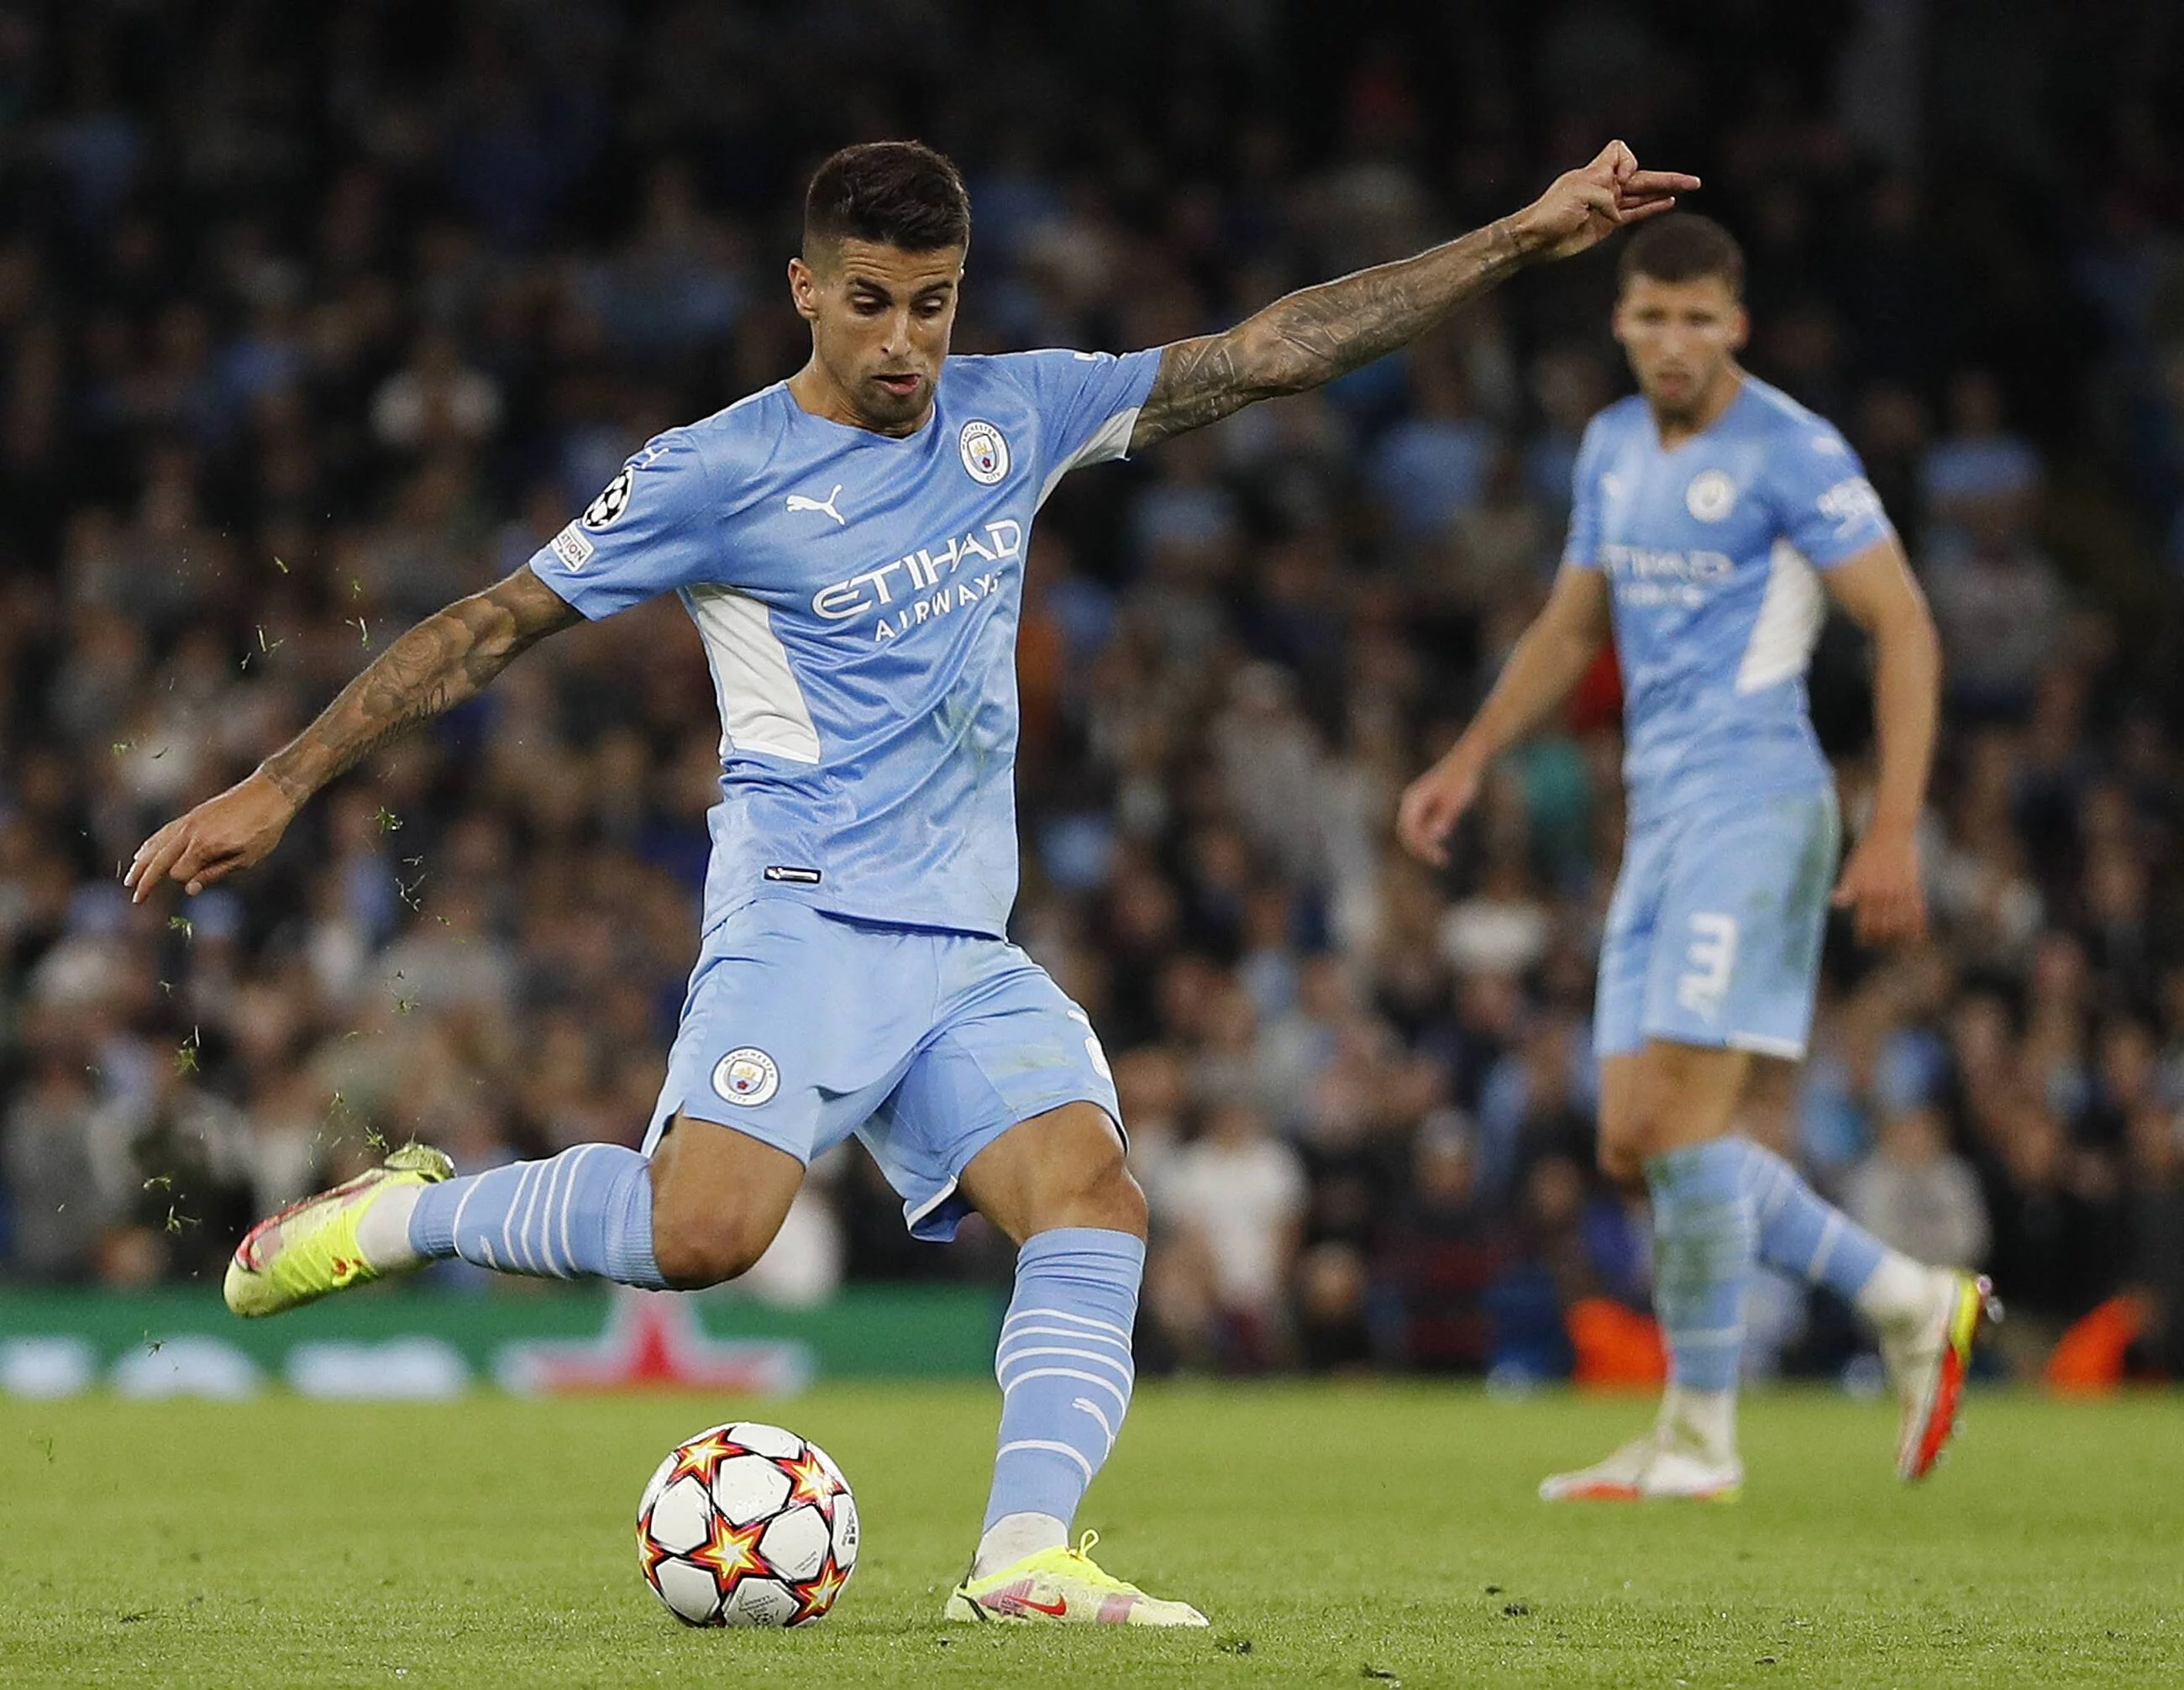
{"points": [[880, 317], [1682, 338]]}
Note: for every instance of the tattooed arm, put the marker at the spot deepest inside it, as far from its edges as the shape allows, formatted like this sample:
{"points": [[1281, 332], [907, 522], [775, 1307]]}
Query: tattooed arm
{"points": [[447, 658], [1311, 336]]}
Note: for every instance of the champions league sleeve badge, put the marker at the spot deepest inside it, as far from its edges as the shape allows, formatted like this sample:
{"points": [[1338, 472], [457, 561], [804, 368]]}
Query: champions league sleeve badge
{"points": [[985, 453], [612, 501]]}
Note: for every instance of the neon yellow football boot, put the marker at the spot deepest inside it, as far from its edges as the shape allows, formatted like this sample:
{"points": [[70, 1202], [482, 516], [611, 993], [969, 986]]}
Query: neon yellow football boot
{"points": [[1065, 1587], [310, 1249]]}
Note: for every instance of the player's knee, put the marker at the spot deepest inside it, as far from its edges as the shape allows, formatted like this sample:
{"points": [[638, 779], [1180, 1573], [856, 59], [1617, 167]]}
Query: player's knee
{"points": [[1103, 1195], [1123, 1200], [692, 1254], [1621, 1162], [1627, 1138]]}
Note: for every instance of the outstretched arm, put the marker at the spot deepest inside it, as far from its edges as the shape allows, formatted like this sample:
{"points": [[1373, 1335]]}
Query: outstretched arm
{"points": [[450, 656], [1312, 335]]}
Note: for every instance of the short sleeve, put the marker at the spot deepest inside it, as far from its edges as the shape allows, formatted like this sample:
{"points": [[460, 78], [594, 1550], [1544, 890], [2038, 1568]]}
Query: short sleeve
{"points": [[1087, 404], [1827, 508], [1581, 545], [649, 533]]}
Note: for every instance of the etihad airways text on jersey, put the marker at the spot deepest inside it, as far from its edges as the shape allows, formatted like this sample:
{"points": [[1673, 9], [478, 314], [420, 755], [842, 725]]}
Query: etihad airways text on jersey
{"points": [[906, 602]]}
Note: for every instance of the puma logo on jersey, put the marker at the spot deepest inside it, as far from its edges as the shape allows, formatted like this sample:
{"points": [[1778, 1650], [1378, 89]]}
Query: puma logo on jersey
{"points": [[798, 501]]}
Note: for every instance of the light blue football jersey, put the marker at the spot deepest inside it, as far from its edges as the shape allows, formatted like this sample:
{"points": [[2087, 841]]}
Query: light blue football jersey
{"points": [[1713, 552], [858, 596]]}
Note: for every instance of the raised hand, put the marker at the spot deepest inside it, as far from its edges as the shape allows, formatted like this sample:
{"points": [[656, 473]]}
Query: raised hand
{"points": [[221, 835], [1317, 333], [1584, 207]]}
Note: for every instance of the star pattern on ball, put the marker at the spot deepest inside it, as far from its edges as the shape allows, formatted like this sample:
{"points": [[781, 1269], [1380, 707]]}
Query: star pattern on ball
{"points": [[649, 1553], [816, 1595], [731, 1554], [700, 1456], [811, 1480]]}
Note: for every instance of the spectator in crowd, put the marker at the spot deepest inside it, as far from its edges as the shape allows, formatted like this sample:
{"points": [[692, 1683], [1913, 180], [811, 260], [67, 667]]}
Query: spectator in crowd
{"points": [[1234, 1200], [1442, 1256], [1912, 1194]]}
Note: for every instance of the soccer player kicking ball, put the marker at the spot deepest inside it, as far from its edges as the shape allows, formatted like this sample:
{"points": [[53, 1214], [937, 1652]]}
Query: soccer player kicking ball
{"points": [[850, 544], [1708, 511]]}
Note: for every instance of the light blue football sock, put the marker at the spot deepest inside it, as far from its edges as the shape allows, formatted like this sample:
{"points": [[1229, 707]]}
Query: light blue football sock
{"points": [[584, 1213], [1065, 1370], [1703, 1254], [1800, 1233]]}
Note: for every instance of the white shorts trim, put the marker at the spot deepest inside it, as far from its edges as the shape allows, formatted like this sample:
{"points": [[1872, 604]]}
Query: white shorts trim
{"points": [[1761, 1044]]}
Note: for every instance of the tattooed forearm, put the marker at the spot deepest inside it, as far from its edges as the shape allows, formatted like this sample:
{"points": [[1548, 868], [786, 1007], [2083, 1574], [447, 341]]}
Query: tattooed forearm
{"points": [[448, 657], [1311, 336]]}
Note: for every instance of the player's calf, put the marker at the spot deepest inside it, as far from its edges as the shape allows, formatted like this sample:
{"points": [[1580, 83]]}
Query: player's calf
{"points": [[1056, 1183], [718, 1198]]}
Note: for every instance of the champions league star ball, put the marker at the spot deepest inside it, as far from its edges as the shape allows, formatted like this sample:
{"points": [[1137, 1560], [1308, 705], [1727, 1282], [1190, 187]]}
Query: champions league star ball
{"points": [[747, 1524]]}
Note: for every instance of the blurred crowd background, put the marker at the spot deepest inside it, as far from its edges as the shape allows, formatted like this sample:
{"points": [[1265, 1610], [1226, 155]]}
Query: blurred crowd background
{"points": [[314, 319]]}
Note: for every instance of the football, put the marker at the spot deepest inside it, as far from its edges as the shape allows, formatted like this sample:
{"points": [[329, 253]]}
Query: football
{"points": [[747, 1524]]}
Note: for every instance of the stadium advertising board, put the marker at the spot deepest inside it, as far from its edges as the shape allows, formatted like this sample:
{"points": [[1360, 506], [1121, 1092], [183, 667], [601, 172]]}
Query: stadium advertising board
{"points": [[57, 1343]]}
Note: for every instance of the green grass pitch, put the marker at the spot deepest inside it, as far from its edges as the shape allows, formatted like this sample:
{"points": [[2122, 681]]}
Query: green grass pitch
{"points": [[1347, 1535]]}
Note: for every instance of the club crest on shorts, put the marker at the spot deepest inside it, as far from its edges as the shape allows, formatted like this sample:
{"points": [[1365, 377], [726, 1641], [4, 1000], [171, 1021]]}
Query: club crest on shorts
{"points": [[1710, 495], [985, 453], [747, 1077]]}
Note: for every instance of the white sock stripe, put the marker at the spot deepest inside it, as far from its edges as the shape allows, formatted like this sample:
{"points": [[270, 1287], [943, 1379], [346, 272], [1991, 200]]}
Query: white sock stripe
{"points": [[576, 1172], [1824, 1248], [541, 1173], [1772, 1188], [1009, 1336], [508, 1215], [1070, 1450], [554, 1223], [1121, 1398], [1007, 1357], [455, 1231], [557, 1214], [540, 1176], [1122, 1389], [1064, 1314], [544, 1235], [1092, 1408]]}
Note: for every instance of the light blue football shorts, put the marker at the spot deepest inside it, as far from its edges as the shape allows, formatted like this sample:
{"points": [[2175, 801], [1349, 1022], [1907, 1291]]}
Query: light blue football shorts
{"points": [[1714, 932], [802, 1028]]}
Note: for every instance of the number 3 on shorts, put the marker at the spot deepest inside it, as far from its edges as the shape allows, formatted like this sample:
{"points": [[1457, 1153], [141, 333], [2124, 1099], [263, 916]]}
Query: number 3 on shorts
{"points": [[1712, 955]]}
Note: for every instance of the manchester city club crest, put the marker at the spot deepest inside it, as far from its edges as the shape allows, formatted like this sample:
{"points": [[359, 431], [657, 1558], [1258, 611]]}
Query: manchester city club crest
{"points": [[1710, 495], [985, 453], [747, 1077]]}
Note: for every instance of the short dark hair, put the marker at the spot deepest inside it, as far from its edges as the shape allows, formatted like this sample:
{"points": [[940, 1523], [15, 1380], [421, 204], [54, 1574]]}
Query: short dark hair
{"points": [[1683, 246], [895, 193]]}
